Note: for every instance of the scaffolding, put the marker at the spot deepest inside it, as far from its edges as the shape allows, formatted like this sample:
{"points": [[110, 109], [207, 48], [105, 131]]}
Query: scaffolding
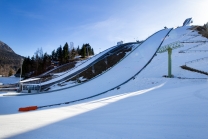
{"points": [[169, 48]]}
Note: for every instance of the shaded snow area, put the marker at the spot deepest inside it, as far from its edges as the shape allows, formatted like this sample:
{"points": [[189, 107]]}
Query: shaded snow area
{"points": [[201, 64], [9, 80], [148, 106]]}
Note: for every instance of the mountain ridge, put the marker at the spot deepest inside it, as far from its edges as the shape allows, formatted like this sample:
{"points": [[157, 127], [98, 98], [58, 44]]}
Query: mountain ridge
{"points": [[9, 60], [5, 47]]}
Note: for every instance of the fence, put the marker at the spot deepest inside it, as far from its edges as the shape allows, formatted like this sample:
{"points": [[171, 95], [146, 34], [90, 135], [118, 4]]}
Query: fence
{"points": [[197, 60], [173, 45]]}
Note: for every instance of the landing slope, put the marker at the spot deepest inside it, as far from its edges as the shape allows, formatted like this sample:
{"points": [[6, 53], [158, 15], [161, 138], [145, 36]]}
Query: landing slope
{"points": [[115, 77]]}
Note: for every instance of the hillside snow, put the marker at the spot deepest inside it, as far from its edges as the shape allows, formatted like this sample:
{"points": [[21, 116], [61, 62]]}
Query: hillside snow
{"points": [[148, 106]]}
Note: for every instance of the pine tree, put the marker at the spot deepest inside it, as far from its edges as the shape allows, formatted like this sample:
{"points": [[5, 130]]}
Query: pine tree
{"points": [[53, 55], [83, 51], [73, 53], [59, 54], [92, 51], [46, 61], [40, 61], [78, 50], [88, 49], [66, 53]]}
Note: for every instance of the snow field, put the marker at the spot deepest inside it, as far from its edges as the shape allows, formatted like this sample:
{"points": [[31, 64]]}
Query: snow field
{"points": [[171, 108], [9, 80], [148, 106], [109, 80]]}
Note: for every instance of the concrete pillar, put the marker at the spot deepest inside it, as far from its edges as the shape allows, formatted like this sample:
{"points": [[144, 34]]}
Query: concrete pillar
{"points": [[169, 62]]}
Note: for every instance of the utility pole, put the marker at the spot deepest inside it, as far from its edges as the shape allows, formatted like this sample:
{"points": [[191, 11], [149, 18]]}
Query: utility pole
{"points": [[21, 62], [20, 86]]}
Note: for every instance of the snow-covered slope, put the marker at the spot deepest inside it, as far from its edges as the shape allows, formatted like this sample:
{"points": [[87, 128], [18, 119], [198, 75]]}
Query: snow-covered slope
{"points": [[149, 106], [160, 62], [116, 76], [170, 109], [10, 80]]}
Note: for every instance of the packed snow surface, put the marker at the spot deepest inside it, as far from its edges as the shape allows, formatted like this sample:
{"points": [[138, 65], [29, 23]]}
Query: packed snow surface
{"points": [[143, 108], [109, 80], [9, 80], [148, 106]]}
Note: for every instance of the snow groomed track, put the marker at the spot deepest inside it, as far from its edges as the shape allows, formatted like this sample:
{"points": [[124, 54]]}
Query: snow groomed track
{"points": [[123, 72]]}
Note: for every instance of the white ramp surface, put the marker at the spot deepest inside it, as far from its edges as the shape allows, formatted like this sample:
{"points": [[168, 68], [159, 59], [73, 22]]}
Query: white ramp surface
{"points": [[120, 73]]}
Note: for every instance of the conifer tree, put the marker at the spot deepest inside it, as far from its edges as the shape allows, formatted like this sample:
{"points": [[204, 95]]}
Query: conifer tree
{"points": [[59, 54], [78, 50], [83, 51], [92, 51], [66, 53], [73, 53], [53, 55]]}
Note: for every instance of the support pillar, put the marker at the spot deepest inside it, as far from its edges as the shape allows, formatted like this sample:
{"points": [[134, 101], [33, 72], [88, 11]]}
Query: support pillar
{"points": [[169, 62]]}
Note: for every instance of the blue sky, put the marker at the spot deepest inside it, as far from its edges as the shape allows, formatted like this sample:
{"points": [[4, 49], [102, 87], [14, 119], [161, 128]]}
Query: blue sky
{"points": [[27, 25]]}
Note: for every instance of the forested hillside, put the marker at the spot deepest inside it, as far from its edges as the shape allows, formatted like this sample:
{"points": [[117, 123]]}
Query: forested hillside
{"points": [[9, 60], [41, 62]]}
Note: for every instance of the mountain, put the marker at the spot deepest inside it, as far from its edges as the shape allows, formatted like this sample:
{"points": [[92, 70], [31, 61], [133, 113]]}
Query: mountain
{"points": [[5, 47], [9, 60]]}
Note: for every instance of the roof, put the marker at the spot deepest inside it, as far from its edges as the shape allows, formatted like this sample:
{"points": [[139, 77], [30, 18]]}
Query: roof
{"points": [[29, 80]]}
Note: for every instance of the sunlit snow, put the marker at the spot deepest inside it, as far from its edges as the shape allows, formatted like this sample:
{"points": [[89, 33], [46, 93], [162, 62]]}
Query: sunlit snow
{"points": [[147, 106]]}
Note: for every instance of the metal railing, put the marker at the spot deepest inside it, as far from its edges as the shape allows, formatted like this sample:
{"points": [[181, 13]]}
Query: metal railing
{"points": [[197, 60], [192, 51], [183, 51], [196, 41], [194, 36], [173, 45]]}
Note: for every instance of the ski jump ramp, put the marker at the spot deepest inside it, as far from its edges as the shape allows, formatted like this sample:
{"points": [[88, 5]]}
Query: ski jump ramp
{"points": [[118, 75], [83, 66]]}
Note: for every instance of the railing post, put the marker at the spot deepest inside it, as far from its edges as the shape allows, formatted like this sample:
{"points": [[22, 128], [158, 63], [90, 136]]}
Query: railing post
{"points": [[169, 62]]}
